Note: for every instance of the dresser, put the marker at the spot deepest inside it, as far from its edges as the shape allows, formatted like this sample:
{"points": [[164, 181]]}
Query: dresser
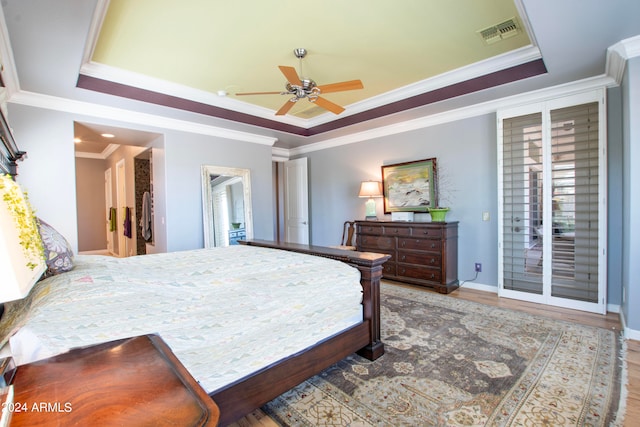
{"points": [[422, 253]]}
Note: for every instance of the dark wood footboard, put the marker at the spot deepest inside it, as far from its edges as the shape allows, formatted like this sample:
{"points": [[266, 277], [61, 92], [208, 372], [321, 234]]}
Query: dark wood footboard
{"points": [[243, 396]]}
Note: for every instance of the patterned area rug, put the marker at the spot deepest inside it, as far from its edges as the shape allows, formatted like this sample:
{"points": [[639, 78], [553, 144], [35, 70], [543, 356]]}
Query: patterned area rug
{"points": [[450, 362]]}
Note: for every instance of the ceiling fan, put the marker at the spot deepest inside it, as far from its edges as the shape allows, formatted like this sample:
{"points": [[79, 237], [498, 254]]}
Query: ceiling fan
{"points": [[302, 88]]}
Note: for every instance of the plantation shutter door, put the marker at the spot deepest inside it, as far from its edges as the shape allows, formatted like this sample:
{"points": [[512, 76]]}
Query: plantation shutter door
{"points": [[522, 203], [575, 201], [552, 209]]}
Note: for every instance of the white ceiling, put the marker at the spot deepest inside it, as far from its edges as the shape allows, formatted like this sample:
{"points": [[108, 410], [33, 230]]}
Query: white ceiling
{"points": [[415, 58]]}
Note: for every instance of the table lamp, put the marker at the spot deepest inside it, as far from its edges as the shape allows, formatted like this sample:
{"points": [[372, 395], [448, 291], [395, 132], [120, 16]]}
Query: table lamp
{"points": [[370, 189]]}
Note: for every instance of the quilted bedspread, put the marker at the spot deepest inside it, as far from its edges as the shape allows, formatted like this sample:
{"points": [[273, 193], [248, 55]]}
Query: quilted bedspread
{"points": [[225, 312]]}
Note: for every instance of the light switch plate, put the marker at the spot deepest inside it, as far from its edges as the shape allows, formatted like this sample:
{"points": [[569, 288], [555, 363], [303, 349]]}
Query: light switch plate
{"points": [[486, 216]]}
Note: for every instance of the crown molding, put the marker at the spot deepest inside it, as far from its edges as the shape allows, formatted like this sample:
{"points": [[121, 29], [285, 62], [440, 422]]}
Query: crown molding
{"points": [[619, 54], [109, 150], [128, 116], [155, 85], [279, 154], [493, 106], [450, 78]]}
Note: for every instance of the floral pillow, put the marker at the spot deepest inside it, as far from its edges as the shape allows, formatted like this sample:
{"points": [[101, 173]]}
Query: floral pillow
{"points": [[57, 251]]}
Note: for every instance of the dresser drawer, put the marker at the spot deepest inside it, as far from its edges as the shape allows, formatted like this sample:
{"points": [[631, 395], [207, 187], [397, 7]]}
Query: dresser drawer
{"points": [[427, 259], [430, 232], [370, 229], [390, 230], [417, 272], [377, 243], [389, 269], [420, 244]]}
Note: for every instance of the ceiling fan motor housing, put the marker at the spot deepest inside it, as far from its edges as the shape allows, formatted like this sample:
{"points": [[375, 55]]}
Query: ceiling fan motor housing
{"points": [[308, 89]]}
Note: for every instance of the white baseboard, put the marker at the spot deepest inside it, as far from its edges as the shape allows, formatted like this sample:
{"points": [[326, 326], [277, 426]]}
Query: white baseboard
{"points": [[613, 308], [630, 334], [479, 287]]}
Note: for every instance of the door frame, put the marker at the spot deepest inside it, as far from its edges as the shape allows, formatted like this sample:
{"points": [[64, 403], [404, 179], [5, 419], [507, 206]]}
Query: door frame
{"points": [[121, 200], [108, 192]]}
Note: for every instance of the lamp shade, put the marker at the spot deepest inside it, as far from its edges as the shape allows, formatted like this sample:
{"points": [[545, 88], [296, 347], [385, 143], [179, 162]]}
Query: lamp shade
{"points": [[21, 254], [370, 189]]}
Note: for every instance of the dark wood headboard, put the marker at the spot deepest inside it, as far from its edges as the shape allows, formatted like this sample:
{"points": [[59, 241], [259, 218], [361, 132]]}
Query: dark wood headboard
{"points": [[9, 152]]}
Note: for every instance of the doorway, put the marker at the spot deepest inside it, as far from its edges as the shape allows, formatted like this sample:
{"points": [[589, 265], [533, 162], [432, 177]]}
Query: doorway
{"points": [[98, 148]]}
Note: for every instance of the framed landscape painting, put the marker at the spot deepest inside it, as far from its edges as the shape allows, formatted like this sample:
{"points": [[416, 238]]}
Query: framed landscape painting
{"points": [[410, 186]]}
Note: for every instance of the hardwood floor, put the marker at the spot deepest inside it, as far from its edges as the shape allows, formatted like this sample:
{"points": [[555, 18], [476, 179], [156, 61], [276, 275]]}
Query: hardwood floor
{"points": [[609, 321]]}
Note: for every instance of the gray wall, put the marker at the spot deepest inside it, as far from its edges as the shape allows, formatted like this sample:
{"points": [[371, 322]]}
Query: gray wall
{"points": [[50, 178], [466, 155], [466, 150], [631, 193], [614, 196], [183, 159], [91, 204]]}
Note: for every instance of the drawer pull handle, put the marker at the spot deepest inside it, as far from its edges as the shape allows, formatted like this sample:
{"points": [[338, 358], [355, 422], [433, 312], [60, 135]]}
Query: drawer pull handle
{"points": [[403, 244], [433, 245], [403, 257], [433, 276], [433, 260]]}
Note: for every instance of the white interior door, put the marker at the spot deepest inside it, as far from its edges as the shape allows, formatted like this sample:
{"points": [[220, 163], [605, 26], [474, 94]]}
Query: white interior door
{"points": [[108, 193], [296, 201]]}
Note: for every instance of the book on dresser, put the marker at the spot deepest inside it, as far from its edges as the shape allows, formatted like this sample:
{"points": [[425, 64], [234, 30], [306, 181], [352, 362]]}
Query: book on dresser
{"points": [[422, 253]]}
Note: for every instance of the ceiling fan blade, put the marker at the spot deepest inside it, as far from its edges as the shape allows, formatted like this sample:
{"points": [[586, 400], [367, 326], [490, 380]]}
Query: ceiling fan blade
{"points": [[291, 74], [285, 108], [328, 105], [339, 87], [258, 93]]}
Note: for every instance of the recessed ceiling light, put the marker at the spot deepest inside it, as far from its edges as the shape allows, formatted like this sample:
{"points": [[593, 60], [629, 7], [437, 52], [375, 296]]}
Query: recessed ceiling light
{"points": [[108, 135], [77, 140]]}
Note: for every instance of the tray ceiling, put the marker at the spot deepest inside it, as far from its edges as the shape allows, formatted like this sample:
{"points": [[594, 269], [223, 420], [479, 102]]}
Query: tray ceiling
{"points": [[195, 55]]}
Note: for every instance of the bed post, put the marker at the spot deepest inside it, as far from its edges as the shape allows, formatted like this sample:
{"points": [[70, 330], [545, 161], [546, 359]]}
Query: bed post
{"points": [[370, 280]]}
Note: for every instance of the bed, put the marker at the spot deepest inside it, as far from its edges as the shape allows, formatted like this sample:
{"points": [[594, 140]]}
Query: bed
{"points": [[247, 330]]}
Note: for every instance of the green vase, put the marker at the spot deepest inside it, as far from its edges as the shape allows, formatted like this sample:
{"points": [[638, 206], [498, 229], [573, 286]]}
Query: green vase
{"points": [[438, 214]]}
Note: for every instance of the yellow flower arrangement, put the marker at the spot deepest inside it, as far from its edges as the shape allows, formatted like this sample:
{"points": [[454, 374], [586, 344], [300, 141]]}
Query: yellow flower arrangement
{"points": [[24, 218]]}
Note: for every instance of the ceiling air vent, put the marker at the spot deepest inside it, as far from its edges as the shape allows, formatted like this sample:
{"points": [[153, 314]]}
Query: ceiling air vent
{"points": [[501, 31]]}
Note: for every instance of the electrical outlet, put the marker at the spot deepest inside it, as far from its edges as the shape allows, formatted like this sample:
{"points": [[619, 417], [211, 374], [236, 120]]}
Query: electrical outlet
{"points": [[478, 267]]}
